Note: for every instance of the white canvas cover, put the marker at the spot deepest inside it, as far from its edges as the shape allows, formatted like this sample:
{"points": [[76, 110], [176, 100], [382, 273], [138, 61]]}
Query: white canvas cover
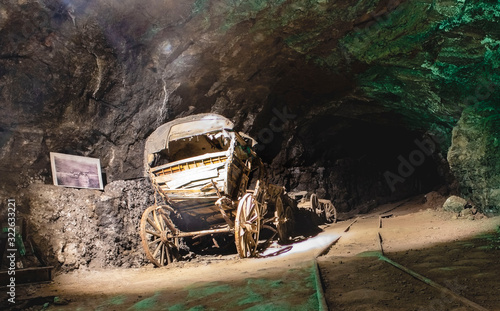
{"points": [[182, 128]]}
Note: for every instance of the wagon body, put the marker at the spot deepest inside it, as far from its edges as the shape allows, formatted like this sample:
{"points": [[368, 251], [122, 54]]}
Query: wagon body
{"points": [[193, 161], [202, 170]]}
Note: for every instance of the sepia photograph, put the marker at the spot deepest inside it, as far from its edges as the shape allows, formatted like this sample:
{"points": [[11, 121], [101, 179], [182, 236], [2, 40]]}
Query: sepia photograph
{"points": [[76, 171]]}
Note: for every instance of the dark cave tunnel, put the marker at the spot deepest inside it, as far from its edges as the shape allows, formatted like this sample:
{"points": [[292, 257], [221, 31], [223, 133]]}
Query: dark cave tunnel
{"points": [[366, 154], [362, 161]]}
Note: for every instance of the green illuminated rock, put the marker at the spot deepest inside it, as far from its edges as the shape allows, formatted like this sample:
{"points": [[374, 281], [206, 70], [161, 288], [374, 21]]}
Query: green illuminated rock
{"points": [[475, 155]]}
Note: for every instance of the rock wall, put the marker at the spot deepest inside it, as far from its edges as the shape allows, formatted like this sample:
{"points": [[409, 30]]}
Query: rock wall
{"points": [[475, 155], [78, 228]]}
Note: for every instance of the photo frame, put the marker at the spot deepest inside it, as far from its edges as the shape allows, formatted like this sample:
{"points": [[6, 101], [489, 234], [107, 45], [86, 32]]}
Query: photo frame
{"points": [[76, 171]]}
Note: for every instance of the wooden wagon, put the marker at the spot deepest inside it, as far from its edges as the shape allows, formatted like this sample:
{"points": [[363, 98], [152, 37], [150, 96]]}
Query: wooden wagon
{"points": [[208, 180]]}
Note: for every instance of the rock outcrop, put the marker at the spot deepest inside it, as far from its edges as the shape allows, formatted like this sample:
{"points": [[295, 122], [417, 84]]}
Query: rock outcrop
{"points": [[76, 228], [474, 155], [454, 204]]}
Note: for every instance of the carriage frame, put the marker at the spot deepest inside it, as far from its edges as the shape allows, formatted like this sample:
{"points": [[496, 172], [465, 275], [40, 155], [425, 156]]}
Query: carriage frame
{"points": [[209, 180]]}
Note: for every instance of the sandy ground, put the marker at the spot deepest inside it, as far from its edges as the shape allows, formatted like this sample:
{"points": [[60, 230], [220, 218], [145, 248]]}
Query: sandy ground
{"points": [[460, 254]]}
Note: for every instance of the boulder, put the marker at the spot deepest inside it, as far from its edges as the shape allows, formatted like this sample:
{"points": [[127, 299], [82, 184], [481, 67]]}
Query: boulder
{"points": [[454, 204]]}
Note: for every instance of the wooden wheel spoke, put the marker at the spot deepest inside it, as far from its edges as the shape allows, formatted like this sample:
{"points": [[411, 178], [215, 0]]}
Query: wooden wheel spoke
{"points": [[254, 218], [153, 233], [164, 220], [244, 248], [251, 246], [153, 224], [155, 218], [159, 221], [158, 247], [250, 239], [251, 209], [154, 242]]}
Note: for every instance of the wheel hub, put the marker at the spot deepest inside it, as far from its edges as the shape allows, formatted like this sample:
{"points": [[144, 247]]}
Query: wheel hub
{"points": [[163, 236]]}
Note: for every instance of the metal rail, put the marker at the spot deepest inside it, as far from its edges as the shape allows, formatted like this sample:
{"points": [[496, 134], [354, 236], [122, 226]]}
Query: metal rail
{"points": [[381, 256], [323, 306], [426, 280]]}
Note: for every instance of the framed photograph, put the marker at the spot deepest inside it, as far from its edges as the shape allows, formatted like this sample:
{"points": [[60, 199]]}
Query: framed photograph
{"points": [[76, 171]]}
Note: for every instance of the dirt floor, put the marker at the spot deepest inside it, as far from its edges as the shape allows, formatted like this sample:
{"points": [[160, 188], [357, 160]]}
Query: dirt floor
{"points": [[461, 254]]}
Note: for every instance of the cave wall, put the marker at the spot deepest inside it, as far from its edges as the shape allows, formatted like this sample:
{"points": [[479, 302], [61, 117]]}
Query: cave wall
{"points": [[336, 92], [475, 155], [82, 228]]}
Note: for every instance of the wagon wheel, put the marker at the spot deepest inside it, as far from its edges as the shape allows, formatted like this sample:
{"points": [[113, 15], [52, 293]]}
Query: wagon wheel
{"points": [[155, 228], [286, 221], [247, 226], [330, 213], [316, 206]]}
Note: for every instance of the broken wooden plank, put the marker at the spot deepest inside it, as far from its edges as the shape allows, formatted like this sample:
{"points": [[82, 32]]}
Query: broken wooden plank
{"points": [[218, 156], [188, 173]]}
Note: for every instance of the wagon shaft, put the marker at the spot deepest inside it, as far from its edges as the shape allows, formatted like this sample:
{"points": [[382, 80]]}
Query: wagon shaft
{"points": [[197, 234]]}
